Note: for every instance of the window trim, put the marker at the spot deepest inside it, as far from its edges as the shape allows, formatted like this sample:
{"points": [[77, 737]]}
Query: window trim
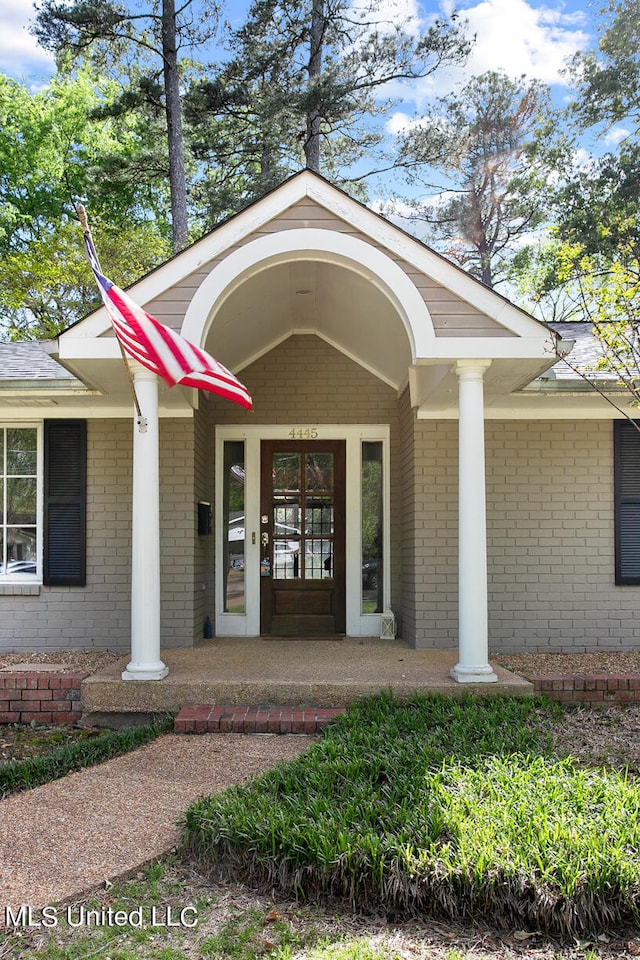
{"points": [[8, 578]]}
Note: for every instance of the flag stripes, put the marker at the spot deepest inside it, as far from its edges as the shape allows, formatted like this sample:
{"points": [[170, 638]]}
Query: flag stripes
{"points": [[159, 348]]}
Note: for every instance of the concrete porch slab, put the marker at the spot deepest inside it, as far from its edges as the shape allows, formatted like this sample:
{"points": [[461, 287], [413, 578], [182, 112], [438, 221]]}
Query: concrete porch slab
{"points": [[289, 672]]}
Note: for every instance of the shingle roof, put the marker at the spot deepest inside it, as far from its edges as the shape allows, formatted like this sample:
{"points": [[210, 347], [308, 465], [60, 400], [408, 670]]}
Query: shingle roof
{"points": [[584, 355], [30, 361]]}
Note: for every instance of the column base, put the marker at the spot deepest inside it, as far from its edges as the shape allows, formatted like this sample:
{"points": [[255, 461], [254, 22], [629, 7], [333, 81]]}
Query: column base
{"points": [[473, 674], [145, 671]]}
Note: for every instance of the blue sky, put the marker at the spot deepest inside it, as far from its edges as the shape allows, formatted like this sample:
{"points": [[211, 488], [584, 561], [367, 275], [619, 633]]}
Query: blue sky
{"points": [[533, 37]]}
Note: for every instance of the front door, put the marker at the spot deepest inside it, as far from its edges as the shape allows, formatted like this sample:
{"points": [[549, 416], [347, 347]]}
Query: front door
{"points": [[302, 538]]}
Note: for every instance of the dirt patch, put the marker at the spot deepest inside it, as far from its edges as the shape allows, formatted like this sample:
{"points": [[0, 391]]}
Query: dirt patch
{"points": [[608, 736], [76, 661], [21, 741], [548, 664]]}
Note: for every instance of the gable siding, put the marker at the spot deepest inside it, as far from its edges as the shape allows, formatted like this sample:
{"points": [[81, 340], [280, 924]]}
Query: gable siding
{"points": [[452, 317]]}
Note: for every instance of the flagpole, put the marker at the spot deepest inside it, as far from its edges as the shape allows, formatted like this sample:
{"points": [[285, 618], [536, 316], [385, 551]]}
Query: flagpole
{"points": [[84, 223]]}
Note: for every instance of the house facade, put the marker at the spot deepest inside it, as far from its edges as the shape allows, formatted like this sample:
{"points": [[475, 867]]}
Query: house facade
{"points": [[417, 452]]}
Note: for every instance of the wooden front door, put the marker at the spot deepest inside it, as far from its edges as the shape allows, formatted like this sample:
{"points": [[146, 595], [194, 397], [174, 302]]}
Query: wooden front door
{"points": [[302, 538]]}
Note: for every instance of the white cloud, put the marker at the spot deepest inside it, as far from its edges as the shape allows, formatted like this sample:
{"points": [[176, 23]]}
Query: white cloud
{"points": [[20, 56], [399, 123], [390, 12], [515, 37], [518, 38], [616, 135]]}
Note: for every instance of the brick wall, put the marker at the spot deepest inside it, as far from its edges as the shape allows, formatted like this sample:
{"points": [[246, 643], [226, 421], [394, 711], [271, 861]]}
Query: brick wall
{"points": [[305, 380], [40, 697], [550, 538], [97, 616], [597, 689]]}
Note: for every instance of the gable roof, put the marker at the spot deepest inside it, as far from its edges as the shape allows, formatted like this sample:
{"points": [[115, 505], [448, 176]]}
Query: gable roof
{"points": [[307, 184]]}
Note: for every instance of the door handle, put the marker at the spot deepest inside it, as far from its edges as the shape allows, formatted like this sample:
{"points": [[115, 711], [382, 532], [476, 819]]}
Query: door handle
{"points": [[264, 539]]}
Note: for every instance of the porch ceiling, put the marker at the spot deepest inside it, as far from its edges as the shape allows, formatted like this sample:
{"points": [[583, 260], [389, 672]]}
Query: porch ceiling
{"points": [[311, 296]]}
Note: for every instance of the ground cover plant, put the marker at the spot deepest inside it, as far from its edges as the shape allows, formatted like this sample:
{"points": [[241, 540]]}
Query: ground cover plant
{"points": [[60, 752], [436, 807], [235, 923]]}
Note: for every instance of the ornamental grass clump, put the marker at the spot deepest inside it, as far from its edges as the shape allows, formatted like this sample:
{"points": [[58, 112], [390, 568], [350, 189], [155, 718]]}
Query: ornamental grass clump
{"points": [[438, 807]]}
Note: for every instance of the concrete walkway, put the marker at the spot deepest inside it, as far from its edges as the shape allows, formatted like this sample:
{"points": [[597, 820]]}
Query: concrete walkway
{"points": [[64, 839]]}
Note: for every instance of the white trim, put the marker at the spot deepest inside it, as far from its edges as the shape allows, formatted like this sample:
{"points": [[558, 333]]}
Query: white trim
{"points": [[478, 348], [248, 624], [82, 348], [324, 246]]}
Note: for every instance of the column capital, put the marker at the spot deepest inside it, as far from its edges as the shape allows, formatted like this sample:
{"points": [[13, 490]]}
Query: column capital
{"points": [[141, 373], [471, 369]]}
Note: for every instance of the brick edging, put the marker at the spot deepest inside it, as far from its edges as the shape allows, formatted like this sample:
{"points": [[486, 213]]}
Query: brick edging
{"points": [[589, 688], [44, 697], [231, 718]]}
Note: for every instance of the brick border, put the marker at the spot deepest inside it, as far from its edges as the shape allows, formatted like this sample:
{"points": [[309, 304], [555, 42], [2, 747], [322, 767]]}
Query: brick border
{"points": [[41, 697], [231, 718], [595, 689]]}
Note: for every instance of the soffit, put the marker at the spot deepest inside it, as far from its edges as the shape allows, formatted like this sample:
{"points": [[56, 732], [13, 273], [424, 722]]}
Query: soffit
{"points": [[304, 296]]}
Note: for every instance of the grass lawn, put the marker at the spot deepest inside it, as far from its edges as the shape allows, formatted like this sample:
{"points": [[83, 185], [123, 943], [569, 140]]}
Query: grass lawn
{"points": [[435, 807], [433, 829]]}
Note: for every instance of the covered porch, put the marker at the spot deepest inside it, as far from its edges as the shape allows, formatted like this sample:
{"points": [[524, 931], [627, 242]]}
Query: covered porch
{"points": [[351, 335], [322, 673]]}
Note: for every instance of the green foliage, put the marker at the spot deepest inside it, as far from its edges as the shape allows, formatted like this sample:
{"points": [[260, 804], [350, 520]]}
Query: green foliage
{"points": [[435, 807], [25, 774], [54, 149], [590, 267], [608, 79]]}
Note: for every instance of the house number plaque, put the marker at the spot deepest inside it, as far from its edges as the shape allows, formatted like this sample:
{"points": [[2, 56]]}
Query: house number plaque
{"points": [[303, 433]]}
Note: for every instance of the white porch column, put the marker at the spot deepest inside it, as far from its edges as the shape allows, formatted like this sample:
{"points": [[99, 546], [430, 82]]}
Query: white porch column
{"points": [[145, 661], [473, 643]]}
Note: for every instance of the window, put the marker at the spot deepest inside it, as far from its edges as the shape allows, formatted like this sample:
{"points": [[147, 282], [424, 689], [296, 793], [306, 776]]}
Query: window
{"points": [[372, 524], [627, 502], [19, 502], [233, 511], [42, 511]]}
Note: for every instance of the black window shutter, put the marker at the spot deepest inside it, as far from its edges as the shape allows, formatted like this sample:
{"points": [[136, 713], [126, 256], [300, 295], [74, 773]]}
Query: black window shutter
{"points": [[627, 502], [65, 494]]}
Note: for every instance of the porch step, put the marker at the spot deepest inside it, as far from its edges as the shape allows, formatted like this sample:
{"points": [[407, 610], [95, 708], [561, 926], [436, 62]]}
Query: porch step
{"points": [[230, 718]]}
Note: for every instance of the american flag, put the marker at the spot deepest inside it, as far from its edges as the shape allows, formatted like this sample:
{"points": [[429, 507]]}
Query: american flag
{"points": [[159, 348]]}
